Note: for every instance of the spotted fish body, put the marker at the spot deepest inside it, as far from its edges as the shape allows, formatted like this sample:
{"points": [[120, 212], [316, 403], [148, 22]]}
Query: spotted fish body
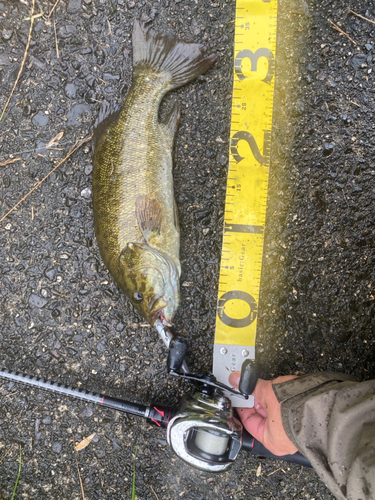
{"points": [[135, 215]]}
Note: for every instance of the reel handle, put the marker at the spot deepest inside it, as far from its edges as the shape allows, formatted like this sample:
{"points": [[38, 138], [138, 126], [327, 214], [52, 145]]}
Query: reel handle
{"points": [[251, 445], [249, 377], [176, 355]]}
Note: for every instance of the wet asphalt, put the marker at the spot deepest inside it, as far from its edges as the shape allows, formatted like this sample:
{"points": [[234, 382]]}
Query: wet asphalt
{"points": [[62, 316]]}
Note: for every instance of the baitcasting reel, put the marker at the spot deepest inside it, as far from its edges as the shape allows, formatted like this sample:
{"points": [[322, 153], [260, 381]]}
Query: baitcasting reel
{"points": [[204, 431]]}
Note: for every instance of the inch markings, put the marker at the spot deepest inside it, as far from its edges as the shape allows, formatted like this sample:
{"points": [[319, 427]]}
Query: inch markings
{"points": [[247, 181]]}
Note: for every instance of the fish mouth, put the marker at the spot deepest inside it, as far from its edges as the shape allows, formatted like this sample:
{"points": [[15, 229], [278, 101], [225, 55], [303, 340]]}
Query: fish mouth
{"points": [[159, 315], [157, 312]]}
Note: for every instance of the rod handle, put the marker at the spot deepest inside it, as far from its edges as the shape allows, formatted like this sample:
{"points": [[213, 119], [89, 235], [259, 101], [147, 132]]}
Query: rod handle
{"points": [[251, 445]]}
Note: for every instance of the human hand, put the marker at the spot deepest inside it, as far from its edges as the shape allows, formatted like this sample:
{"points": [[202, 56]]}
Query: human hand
{"points": [[263, 421]]}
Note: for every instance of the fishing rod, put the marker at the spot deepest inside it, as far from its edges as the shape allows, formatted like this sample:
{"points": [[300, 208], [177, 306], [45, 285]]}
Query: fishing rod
{"points": [[202, 429]]}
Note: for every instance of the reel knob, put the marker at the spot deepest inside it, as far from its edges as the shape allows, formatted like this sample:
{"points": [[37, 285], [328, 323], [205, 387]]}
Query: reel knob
{"points": [[177, 352], [249, 377]]}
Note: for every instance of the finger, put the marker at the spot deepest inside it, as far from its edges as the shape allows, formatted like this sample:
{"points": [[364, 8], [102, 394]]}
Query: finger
{"points": [[259, 408], [234, 379], [263, 391], [254, 423]]}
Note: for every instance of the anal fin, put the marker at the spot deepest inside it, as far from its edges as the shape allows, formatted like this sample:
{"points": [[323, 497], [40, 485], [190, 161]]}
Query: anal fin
{"points": [[148, 213]]}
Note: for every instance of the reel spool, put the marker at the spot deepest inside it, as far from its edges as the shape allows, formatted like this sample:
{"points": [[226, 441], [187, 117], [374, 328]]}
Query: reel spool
{"points": [[205, 433]]}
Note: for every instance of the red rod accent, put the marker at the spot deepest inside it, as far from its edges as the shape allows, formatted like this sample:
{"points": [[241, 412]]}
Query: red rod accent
{"points": [[157, 423], [252, 445], [159, 411]]}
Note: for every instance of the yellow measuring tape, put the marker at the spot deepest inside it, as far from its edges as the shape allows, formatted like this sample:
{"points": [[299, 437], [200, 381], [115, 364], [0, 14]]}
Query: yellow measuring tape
{"points": [[247, 185]]}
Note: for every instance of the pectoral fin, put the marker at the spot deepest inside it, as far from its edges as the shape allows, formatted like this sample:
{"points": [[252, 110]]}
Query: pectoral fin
{"points": [[148, 213]]}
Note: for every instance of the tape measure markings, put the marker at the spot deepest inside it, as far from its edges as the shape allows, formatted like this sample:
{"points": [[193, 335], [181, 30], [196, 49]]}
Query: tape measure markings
{"points": [[247, 184]]}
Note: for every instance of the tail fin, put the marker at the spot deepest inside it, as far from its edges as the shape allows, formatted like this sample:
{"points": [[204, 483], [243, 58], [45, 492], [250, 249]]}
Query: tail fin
{"points": [[182, 61]]}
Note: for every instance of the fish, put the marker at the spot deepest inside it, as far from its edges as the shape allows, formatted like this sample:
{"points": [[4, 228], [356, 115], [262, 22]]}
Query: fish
{"points": [[135, 214]]}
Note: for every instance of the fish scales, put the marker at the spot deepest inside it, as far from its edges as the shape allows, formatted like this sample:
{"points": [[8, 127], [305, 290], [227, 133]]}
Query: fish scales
{"points": [[135, 216], [130, 166]]}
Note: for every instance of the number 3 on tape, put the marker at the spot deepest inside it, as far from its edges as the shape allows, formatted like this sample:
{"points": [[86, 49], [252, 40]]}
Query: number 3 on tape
{"points": [[247, 186]]}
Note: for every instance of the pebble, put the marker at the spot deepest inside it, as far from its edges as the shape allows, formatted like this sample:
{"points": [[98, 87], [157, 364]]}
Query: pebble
{"points": [[91, 81], [50, 274], [37, 301], [40, 119], [344, 117], [119, 327], [75, 212], [223, 160], [76, 64], [40, 25], [6, 181], [86, 193], [110, 90], [331, 82], [359, 61], [76, 112], [90, 97], [56, 447], [67, 30], [70, 90], [88, 169], [6, 35], [74, 6], [101, 346], [109, 76], [100, 56], [86, 413], [153, 14], [328, 148]]}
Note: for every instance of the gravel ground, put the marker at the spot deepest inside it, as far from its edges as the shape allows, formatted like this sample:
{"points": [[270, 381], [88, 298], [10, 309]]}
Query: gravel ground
{"points": [[61, 314]]}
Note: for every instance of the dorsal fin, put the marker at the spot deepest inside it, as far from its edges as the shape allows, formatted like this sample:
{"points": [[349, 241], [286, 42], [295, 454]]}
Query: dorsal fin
{"points": [[108, 115]]}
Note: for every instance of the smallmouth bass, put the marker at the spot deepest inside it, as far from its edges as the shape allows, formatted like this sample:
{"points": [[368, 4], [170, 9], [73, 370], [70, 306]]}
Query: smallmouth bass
{"points": [[135, 215]]}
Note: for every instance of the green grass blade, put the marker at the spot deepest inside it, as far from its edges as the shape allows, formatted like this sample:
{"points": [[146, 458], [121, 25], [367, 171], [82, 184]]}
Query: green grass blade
{"points": [[133, 490], [18, 475]]}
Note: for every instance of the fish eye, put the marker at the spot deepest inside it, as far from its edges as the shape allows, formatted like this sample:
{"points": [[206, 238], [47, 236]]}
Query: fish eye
{"points": [[138, 297]]}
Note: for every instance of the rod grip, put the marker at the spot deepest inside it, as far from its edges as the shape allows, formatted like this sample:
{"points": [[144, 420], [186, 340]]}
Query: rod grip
{"points": [[251, 445]]}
